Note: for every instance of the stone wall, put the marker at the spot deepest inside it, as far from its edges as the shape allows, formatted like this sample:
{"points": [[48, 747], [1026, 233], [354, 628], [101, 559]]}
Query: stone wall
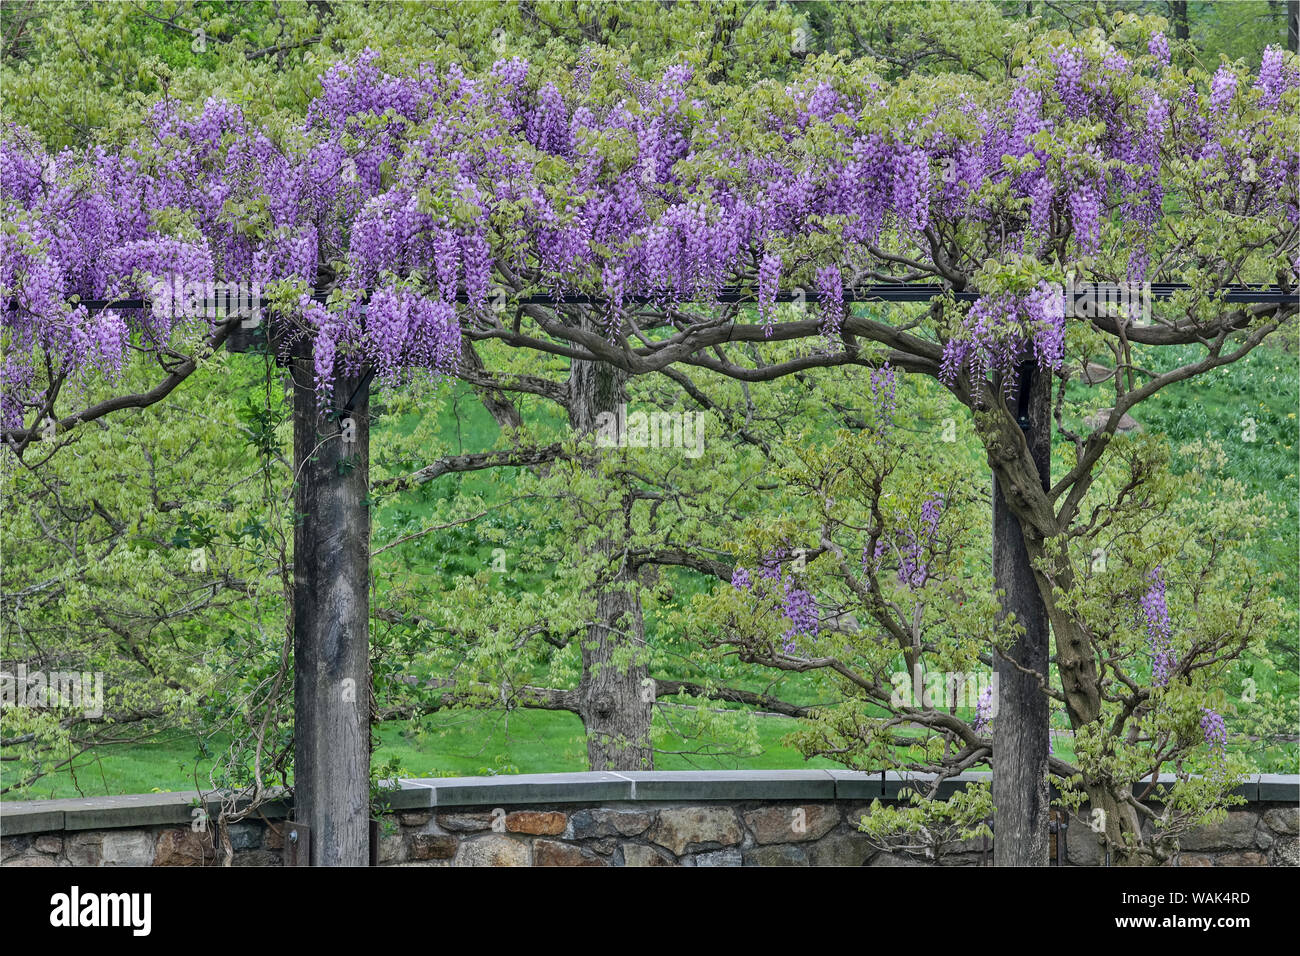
{"points": [[769, 818]]}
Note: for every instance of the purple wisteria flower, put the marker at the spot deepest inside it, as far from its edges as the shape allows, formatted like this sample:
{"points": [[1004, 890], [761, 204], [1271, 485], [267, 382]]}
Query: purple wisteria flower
{"points": [[914, 545], [916, 550], [830, 287], [1215, 731], [1222, 88], [1273, 78], [1003, 330], [769, 281], [1159, 48], [801, 611], [1159, 630], [871, 561], [795, 603], [1069, 80], [884, 393]]}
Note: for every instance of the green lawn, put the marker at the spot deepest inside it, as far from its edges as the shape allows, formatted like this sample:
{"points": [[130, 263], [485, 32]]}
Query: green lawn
{"points": [[448, 743]]}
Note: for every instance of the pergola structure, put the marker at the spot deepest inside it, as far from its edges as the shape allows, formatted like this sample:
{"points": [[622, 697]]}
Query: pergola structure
{"points": [[331, 576]]}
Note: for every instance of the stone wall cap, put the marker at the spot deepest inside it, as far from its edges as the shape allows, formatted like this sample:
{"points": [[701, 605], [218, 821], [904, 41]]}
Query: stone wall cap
{"points": [[128, 810], [589, 787], [702, 786]]}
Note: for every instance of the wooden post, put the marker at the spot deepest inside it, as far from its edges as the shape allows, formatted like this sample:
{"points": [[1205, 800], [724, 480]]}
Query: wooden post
{"points": [[1020, 730], [331, 610]]}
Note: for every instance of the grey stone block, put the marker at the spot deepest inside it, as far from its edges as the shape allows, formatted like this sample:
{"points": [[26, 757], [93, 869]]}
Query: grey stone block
{"points": [[414, 818], [392, 848], [1237, 831], [48, 843], [894, 859], [841, 849], [127, 848], [256, 858], [1082, 846], [852, 785], [791, 823], [634, 854], [35, 816], [84, 849], [730, 857], [602, 822], [1286, 851], [703, 785], [493, 850], [518, 789], [682, 827], [464, 822], [13, 846], [149, 809], [1283, 820], [423, 863], [1281, 787], [246, 836], [406, 796], [136, 810], [777, 854]]}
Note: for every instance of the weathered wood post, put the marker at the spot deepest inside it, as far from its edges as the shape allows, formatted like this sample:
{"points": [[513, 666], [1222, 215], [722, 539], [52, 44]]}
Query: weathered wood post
{"points": [[1020, 738], [331, 611], [331, 608]]}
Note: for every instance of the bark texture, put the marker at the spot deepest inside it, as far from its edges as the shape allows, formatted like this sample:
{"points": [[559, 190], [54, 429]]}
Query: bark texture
{"points": [[615, 695], [331, 578], [1020, 732]]}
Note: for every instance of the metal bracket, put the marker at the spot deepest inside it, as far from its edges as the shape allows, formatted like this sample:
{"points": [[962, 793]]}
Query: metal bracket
{"points": [[364, 383], [297, 844], [1058, 827]]}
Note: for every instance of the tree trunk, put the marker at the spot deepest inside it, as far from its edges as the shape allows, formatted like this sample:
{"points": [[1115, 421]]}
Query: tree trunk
{"points": [[1020, 730], [615, 706], [1109, 813], [331, 581], [1020, 744], [1178, 13]]}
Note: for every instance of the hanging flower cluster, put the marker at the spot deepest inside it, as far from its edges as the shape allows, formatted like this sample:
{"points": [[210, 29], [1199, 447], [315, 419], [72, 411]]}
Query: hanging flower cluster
{"points": [[779, 587], [1159, 632], [1215, 731], [913, 544], [1003, 330]]}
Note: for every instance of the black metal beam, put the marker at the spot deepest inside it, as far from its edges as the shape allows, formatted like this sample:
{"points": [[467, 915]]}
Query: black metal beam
{"points": [[899, 292]]}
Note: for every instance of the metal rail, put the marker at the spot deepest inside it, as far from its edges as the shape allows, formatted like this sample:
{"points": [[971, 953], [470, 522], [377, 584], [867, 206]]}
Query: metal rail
{"points": [[896, 292]]}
